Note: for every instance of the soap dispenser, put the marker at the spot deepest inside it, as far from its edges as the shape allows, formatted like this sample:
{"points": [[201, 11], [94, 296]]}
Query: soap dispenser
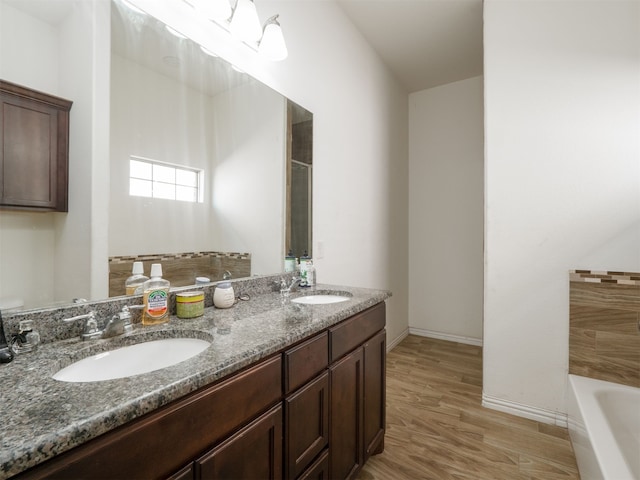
{"points": [[290, 262], [156, 297], [134, 283], [223, 295]]}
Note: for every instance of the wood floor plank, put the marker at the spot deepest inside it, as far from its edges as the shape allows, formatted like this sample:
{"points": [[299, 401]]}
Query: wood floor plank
{"points": [[437, 428]]}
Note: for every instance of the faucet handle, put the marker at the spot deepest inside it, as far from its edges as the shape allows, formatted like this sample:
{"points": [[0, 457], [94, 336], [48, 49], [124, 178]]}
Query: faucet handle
{"points": [[90, 329]]}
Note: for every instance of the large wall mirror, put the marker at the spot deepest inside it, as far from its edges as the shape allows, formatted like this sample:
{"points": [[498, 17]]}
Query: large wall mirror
{"points": [[204, 161]]}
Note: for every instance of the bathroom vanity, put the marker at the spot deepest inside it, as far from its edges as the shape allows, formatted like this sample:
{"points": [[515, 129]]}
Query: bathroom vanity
{"points": [[293, 391]]}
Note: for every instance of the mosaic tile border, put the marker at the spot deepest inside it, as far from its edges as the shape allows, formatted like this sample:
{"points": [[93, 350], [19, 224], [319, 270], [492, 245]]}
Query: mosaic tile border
{"points": [[609, 277], [175, 256]]}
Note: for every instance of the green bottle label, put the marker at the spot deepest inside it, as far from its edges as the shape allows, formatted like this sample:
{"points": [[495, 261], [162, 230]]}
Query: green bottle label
{"points": [[157, 303]]}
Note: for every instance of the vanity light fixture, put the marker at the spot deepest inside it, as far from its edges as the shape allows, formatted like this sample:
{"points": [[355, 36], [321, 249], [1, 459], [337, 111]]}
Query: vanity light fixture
{"points": [[216, 10], [245, 24], [174, 32], [272, 44], [208, 52]]}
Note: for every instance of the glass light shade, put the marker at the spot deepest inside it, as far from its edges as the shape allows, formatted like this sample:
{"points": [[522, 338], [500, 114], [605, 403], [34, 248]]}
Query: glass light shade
{"points": [[272, 45], [175, 33], [245, 23], [218, 10]]}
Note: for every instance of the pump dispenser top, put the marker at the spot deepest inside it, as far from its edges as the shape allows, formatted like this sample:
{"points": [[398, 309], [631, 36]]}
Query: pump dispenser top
{"points": [[134, 283]]}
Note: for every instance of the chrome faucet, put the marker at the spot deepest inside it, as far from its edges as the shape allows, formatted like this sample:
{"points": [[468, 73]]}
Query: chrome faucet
{"points": [[284, 288], [119, 324], [90, 329]]}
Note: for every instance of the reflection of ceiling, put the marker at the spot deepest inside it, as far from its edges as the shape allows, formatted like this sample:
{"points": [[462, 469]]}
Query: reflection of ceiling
{"points": [[49, 11], [424, 43], [146, 41]]}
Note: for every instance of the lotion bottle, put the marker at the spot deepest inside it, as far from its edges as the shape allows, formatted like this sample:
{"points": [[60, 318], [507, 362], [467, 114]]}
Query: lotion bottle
{"points": [[290, 262], [136, 280], [156, 297]]}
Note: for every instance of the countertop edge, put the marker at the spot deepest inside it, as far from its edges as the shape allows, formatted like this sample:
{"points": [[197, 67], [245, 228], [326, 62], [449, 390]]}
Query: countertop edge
{"points": [[45, 447]]}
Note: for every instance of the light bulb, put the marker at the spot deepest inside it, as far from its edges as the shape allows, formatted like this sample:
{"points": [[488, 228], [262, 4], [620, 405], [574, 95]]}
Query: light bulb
{"points": [[272, 45], [245, 24]]}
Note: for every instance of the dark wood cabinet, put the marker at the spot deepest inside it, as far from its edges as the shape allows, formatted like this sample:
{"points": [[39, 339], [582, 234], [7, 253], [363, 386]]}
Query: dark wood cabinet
{"points": [[307, 425], [375, 356], [345, 431], [357, 386], [255, 452], [34, 158], [185, 473], [295, 415], [319, 469]]}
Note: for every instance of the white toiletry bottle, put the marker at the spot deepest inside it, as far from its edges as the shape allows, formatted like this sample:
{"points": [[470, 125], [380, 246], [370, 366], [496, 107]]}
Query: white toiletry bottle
{"points": [[136, 280], [223, 295], [311, 274], [156, 297]]}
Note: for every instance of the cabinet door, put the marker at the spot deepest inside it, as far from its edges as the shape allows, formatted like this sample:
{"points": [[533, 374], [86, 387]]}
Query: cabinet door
{"points": [[374, 394], [185, 473], [306, 425], [345, 431], [319, 470], [255, 452], [34, 132]]}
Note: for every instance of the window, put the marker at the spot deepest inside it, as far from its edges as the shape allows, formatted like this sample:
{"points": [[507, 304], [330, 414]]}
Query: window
{"points": [[150, 178]]}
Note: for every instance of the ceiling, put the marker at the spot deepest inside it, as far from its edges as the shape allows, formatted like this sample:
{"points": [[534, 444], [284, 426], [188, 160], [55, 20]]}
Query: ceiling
{"points": [[424, 43]]}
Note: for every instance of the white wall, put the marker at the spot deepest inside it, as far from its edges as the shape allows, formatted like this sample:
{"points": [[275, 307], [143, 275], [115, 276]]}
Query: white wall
{"points": [[248, 179], [25, 236], [360, 159], [156, 117], [47, 256], [562, 116], [446, 202], [81, 268], [236, 137]]}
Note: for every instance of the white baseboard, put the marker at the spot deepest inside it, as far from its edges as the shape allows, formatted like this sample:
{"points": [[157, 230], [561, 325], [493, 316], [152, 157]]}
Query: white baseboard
{"points": [[391, 345], [526, 411], [445, 336]]}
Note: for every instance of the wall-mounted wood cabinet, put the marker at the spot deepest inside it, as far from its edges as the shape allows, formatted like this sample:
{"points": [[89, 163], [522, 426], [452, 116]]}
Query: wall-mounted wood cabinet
{"points": [[34, 158]]}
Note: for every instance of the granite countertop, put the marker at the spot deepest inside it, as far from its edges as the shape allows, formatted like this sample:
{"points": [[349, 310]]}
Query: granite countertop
{"points": [[44, 417]]}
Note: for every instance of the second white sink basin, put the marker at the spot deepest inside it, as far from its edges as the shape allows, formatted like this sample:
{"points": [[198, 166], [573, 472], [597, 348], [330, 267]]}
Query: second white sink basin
{"points": [[132, 360], [320, 299]]}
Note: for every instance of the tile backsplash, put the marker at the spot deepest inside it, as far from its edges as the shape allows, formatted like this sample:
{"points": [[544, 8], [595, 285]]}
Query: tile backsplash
{"points": [[48, 321], [180, 268], [604, 340]]}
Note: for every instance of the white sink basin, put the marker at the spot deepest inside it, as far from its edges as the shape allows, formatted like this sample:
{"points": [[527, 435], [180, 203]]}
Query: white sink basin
{"points": [[320, 299], [132, 360]]}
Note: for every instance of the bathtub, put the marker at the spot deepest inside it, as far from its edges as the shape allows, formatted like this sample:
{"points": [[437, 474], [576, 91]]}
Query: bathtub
{"points": [[604, 425]]}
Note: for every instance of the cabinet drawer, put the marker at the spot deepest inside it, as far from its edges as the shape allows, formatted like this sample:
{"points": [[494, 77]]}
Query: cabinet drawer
{"points": [[305, 361], [353, 332], [163, 441]]}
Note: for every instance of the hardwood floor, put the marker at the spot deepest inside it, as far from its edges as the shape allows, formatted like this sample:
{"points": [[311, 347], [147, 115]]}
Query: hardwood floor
{"points": [[437, 428]]}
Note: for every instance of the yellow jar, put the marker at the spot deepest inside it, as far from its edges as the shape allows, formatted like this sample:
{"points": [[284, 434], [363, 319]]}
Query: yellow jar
{"points": [[189, 304]]}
